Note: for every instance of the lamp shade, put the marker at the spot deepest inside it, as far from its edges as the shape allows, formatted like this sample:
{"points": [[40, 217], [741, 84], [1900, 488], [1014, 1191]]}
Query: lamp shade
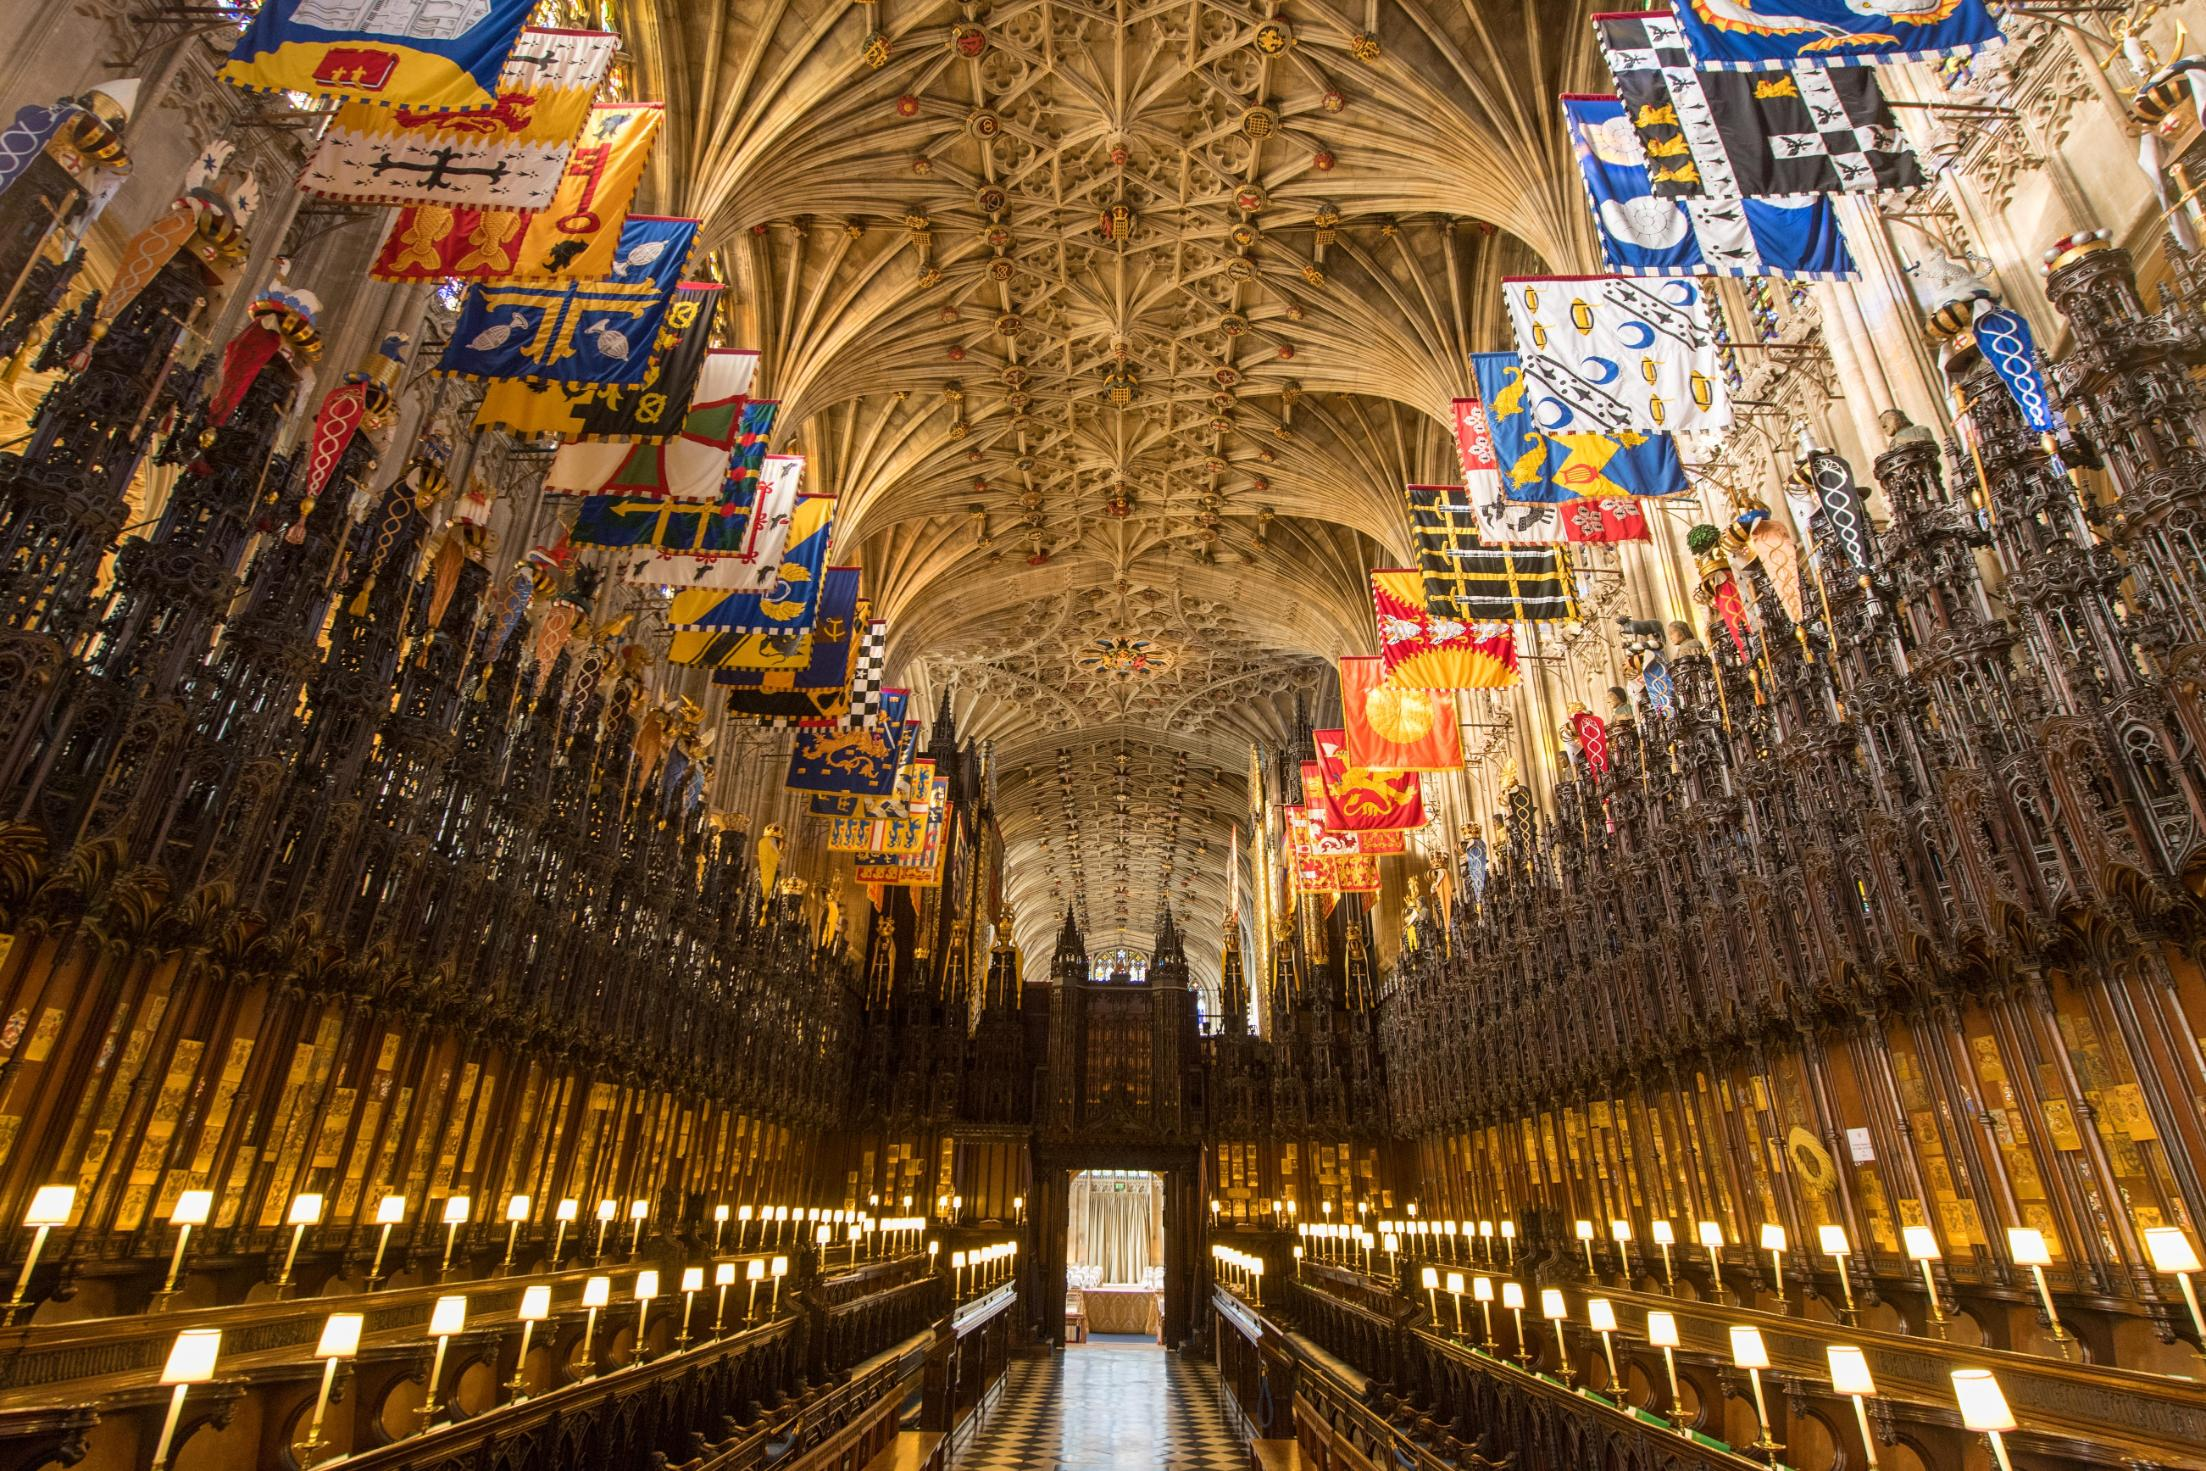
{"points": [[720, 1215], [1482, 1288], [1662, 1329], [1512, 1294], [1921, 1243], [1662, 1233], [1849, 1369], [390, 1210], [724, 1274], [1585, 1230], [743, 1214], [1711, 1235], [597, 1292], [51, 1205], [193, 1208], [781, 1266], [693, 1279], [1600, 1315], [567, 1210], [2170, 1250], [517, 1208], [638, 1209], [1508, 1230], [1983, 1406], [448, 1317], [1747, 1349], [535, 1303], [1620, 1230], [191, 1358], [306, 1209], [340, 1336], [1429, 1278], [1773, 1236], [607, 1209], [456, 1208], [2027, 1246], [1552, 1304], [755, 1270], [1455, 1284], [647, 1284], [1833, 1240]]}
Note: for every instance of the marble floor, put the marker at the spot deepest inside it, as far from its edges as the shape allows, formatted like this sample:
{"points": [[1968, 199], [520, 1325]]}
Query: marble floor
{"points": [[1106, 1407]]}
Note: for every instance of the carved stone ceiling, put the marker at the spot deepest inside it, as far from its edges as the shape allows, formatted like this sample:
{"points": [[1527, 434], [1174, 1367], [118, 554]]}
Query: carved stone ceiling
{"points": [[1117, 327]]}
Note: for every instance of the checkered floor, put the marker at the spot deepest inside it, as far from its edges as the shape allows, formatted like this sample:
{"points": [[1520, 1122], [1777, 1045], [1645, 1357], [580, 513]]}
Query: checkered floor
{"points": [[1101, 1407]]}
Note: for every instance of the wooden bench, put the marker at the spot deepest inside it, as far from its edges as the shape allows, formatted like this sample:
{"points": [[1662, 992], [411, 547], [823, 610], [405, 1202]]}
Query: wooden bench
{"points": [[912, 1450], [1277, 1455]]}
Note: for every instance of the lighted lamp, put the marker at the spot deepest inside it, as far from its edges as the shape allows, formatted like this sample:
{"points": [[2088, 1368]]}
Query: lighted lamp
{"points": [[1921, 1244], [723, 1277], [1664, 1238], [1984, 1409], [693, 1282], [535, 1308], [1662, 1333], [446, 1318], [1512, 1298], [193, 1208], [1748, 1352], [1773, 1242], [517, 1215], [389, 1211], [563, 1215], [1850, 1377], [1585, 1239], [340, 1341], [2026, 1247], [190, 1361], [1554, 1309], [306, 1210], [1620, 1232], [596, 1293], [647, 1287], [1711, 1240], [1832, 1240], [455, 1216], [2172, 1252], [1601, 1318]]}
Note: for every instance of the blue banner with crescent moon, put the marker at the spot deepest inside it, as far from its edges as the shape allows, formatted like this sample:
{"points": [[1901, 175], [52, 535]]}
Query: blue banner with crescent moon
{"points": [[2004, 339], [1604, 354], [598, 331], [1548, 468], [1771, 35], [1646, 234], [788, 604]]}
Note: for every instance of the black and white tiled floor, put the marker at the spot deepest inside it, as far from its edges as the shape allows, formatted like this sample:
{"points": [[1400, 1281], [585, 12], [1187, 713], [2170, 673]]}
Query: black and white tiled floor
{"points": [[1102, 1407]]}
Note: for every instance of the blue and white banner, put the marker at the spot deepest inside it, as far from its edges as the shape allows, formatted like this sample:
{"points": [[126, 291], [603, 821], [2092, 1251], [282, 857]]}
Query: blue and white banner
{"points": [[1602, 354], [1645, 234], [411, 53], [1770, 35], [2005, 340]]}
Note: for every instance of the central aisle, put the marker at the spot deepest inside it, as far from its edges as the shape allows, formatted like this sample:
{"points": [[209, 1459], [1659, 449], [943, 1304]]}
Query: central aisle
{"points": [[1103, 1407]]}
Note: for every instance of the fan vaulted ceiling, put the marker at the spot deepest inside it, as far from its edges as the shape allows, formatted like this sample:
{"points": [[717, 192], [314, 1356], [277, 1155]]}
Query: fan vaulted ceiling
{"points": [[1117, 328]]}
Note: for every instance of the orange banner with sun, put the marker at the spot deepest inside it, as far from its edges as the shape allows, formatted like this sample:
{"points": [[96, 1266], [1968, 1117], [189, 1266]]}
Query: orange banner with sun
{"points": [[1396, 729]]}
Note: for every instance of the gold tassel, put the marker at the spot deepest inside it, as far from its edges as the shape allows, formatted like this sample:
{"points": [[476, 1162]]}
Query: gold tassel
{"points": [[358, 608]]}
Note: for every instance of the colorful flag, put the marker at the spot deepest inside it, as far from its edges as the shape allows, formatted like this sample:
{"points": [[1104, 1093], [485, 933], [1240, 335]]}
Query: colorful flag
{"points": [[574, 238], [1607, 518], [2003, 336], [393, 52], [1737, 35], [1727, 134], [812, 661], [925, 870], [1834, 510], [1395, 729], [692, 465], [1590, 733], [1602, 354], [845, 763], [508, 156], [1426, 652], [1571, 468], [744, 561], [597, 331], [1645, 234], [1472, 582], [616, 411], [1360, 799], [700, 616]]}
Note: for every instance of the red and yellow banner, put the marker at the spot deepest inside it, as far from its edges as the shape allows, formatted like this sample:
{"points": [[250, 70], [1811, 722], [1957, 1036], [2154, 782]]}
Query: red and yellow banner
{"points": [[1395, 729]]}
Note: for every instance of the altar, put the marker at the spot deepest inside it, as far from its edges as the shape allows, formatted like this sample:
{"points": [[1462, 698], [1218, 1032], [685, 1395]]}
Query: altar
{"points": [[1124, 1310]]}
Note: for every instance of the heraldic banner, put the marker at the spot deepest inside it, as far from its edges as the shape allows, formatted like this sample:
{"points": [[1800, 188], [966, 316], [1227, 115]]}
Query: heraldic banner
{"points": [[393, 52]]}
